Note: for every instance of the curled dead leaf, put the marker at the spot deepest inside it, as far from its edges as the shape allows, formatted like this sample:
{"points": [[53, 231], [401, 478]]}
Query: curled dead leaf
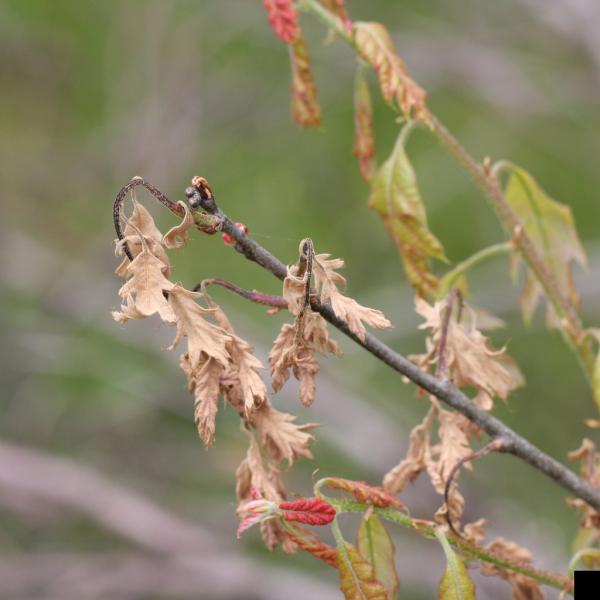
{"points": [[280, 436], [177, 236]]}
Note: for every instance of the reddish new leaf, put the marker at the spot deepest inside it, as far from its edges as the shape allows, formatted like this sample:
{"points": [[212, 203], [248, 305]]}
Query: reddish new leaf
{"points": [[283, 18], [305, 106], [364, 140], [364, 492], [376, 47], [310, 511], [309, 542]]}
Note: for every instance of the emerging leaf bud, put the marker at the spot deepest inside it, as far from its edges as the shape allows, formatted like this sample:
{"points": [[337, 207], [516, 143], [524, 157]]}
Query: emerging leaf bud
{"points": [[227, 239], [311, 511], [253, 512]]}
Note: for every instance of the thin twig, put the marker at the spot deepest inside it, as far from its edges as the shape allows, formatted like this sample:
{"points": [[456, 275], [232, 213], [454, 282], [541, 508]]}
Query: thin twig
{"points": [[496, 445], [253, 296], [451, 277], [305, 269], [443, 390], [118, 205], [440, 369]]}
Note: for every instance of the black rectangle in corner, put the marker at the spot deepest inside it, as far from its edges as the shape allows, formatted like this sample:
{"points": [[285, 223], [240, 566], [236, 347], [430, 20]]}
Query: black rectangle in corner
{"points": [[587, 585]]}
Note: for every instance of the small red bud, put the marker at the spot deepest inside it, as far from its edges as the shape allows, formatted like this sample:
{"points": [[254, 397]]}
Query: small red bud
{"points": [[227, 239]]}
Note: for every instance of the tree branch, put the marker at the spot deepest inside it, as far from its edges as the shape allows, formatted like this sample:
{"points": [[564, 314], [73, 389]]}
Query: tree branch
{"points": [[443, 390]]}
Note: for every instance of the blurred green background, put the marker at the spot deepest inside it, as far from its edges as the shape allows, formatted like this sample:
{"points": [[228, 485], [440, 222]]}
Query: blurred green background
{"points": [[105, 488]]}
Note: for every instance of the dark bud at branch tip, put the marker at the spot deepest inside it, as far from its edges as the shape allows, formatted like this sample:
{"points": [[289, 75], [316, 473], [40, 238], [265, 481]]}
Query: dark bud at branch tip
{"points": [[205, 196], [193, 197]]}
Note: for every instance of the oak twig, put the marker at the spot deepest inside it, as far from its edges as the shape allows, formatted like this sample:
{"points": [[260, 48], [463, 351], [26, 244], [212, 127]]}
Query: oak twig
{"points": [[118, 205], [496, 445], [254, 295]]}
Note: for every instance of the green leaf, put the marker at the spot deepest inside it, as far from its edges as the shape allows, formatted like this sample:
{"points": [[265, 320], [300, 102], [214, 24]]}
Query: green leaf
{"points": [[375, 544], [357, 576], [590, 557], [595, 333], [396, 198], [456, 583], [551, 227]]}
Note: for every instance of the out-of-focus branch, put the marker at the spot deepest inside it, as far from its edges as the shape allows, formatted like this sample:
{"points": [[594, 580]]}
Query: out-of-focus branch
{"points": [[130, 576], [63, 482], [193, 563]]}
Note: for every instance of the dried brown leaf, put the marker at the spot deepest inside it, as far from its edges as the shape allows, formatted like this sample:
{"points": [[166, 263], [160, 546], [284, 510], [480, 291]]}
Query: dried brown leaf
{"points": [[140, 225], [316, 334], [327, 280], [294, 290], [411, 466], [280, 356], [454, 447], [144, 290], [177, 236], [357, 315], [523, 588], [261, 474], [295, 347], [204, 383], [243, 366], [204, 338], [590, 471], [280, 436], [468, 356], [474, 532]]}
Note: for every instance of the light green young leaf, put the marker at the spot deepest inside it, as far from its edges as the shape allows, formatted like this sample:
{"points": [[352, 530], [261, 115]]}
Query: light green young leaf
{"points": [[595, 332], [551, 227], [396, 198], [590, 557], [456, 583], [357, 575], [375, 544]]}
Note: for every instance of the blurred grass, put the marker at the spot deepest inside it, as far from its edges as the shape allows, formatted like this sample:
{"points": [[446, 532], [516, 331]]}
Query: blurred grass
{"points": [[94, 93]]}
